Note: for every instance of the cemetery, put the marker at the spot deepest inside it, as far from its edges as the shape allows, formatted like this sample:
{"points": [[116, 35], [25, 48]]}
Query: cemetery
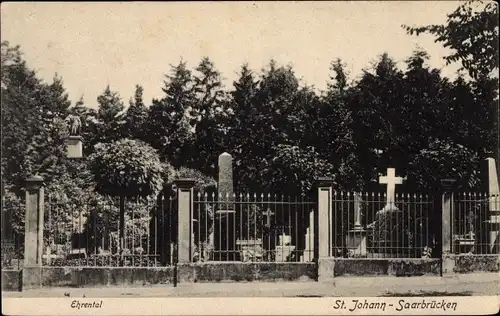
{"points": [[387, 167], [234, 237]]}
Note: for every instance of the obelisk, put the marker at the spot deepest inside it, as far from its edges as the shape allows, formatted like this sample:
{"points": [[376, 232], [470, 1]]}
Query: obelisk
{"points": [[224, 226]]}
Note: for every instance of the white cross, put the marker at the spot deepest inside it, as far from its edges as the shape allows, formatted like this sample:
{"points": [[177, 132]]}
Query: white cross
{"points": [[391, 180]]}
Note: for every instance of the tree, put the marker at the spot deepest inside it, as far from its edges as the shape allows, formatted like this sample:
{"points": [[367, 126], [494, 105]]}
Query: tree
{"points": [[274, 103], [376, 104], [168, 127], [205, 117], [471, 31], [136, 117], [127, 168], [333, 128], [243, 108], [33, 128], [109, 116]]}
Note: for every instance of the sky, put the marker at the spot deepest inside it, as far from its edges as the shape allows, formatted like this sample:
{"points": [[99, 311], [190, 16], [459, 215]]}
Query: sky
{"points": [[92, 45]]}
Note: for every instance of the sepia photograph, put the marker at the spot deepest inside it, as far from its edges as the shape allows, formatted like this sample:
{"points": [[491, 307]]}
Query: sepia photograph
{"points": [[238, 158]]}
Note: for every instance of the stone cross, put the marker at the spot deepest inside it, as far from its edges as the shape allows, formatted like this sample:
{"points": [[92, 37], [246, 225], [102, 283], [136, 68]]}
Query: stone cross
{"points": [[268, 214], [391, 180]]}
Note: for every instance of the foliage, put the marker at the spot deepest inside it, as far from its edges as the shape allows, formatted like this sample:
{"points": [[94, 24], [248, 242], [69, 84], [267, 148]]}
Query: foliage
{"points": [[109, 116], [33, 128], [448, 160], [471, 31], [203, 183], [168, 127], [127, 168], [204, 115], [136, 117]]}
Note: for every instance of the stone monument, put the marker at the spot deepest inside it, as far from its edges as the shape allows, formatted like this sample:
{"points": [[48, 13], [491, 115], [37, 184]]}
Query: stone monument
{"points": [[308, 255], [74, 142], [386, 226], [356, 237], [224, 225]]}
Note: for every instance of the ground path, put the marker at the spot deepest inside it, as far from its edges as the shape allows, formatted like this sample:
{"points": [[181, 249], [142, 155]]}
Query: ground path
{"points": [[465, 284]]}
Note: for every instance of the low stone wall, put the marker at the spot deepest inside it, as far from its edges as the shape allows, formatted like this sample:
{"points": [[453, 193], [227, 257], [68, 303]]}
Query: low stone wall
{"points": [[467, 263], [144, 276], [335, 267], [11, 280]]}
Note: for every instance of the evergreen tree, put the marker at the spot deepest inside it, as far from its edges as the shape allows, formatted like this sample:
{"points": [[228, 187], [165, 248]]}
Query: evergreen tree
{"points": [[109, 116], [136, 117], [206, 117], [168, 126]]}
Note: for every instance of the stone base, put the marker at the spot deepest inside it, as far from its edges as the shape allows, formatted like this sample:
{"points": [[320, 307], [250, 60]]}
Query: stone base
{"points": [[328, 268], [74, 147], [283, 253], [32, 277], [12, 280], [356, 242]]}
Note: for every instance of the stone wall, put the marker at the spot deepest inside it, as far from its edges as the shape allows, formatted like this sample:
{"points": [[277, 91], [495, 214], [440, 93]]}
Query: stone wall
{"points": [[145, 276], [465, 263]]}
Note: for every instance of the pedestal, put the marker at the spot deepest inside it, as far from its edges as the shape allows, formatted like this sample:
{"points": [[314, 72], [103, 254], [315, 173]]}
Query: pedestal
{"points": [[385, 232], [356, 242], [283, 253], [74, 147], [225, 236]]}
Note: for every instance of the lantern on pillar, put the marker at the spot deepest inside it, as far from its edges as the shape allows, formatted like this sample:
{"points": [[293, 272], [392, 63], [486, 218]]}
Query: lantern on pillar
{"points": [[74, 144]]}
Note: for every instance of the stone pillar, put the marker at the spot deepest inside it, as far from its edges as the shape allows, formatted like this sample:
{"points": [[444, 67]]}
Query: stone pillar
{"points": [[448, 263], [33, 233], [324, 217], [185, 195], [224, 224], [323, 250]]}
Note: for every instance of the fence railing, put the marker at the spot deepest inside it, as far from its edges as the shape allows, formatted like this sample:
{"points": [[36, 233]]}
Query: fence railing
{"points": [[365, 225], [12, 241], [88, 234], [253, 228], [475, 223]]}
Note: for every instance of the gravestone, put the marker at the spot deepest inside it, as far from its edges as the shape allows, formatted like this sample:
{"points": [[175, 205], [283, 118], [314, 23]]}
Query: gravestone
{"points": [[386, 226], [308, 255], [224, 225]]}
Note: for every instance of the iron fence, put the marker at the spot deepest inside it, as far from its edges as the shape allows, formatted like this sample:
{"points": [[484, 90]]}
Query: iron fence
{"points": [[93, 233], [12, 241], [365, 225], [475, 223], [253, 228]]}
